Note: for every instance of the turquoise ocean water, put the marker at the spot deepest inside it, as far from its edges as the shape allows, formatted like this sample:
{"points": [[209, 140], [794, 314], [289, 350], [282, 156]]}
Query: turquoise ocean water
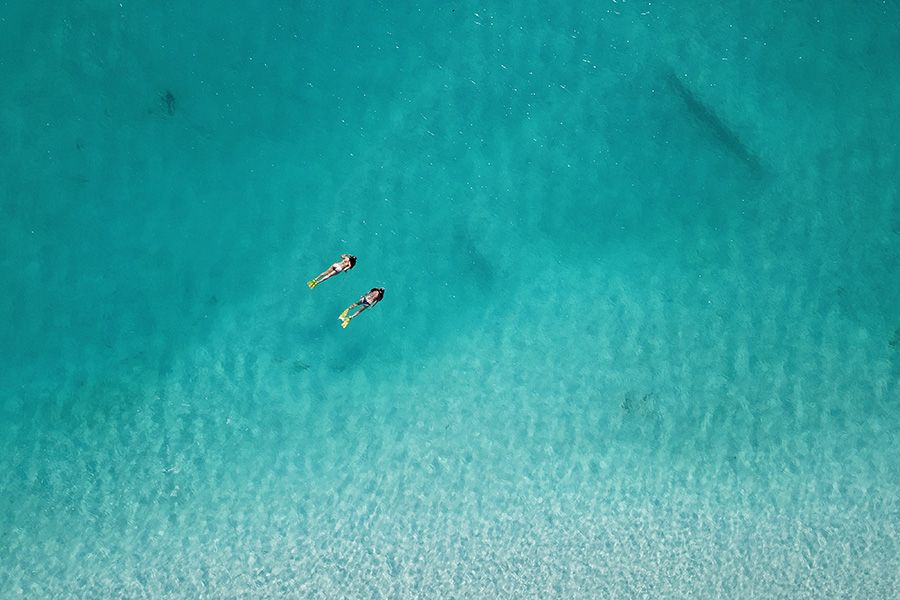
{"points": [[641, 330]]}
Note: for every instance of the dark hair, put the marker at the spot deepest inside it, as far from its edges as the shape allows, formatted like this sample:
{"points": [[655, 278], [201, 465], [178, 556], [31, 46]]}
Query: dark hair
{"points": [[379, 290], [352, 261]]}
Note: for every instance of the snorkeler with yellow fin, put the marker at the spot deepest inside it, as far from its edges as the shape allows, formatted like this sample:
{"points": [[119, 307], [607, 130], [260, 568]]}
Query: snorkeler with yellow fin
{"points": [[369, 300], [347, 262]]}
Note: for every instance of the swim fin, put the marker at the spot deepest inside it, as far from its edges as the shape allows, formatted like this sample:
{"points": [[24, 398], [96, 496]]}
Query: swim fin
{"points": [[344, 314], [312, 283], [344, 323]]}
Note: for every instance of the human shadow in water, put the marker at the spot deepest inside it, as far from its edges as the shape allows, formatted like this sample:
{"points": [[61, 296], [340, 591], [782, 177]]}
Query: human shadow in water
{"points": [[168, 100]]}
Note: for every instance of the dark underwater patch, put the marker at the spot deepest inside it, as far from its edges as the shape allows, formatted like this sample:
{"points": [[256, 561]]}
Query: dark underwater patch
{"points": [[714, 125]]}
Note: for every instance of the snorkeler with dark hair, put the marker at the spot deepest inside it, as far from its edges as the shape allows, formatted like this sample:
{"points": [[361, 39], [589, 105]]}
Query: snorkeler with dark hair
{"points": [[346, 263], [369, 300]]}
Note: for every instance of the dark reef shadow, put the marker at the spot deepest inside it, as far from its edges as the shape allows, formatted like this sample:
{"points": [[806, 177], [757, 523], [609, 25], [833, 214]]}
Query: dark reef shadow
{"points": [[473, 262], [714, 125]]}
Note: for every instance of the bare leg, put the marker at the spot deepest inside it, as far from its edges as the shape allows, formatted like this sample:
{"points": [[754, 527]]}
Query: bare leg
{"points": [[361, 308], [324, 275]]}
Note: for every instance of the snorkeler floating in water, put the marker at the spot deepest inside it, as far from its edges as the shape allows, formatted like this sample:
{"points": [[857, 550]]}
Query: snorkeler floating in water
{"points": [[370, 299], [346, 263]]}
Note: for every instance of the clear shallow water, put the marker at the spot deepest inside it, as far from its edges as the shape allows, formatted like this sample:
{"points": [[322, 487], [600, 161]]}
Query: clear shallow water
{"points": [[651, 349]]}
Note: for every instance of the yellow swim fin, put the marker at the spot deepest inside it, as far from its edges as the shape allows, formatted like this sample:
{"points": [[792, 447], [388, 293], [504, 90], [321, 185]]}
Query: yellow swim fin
{"points": [[344, 323], [312, 283], [344, 314]]}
